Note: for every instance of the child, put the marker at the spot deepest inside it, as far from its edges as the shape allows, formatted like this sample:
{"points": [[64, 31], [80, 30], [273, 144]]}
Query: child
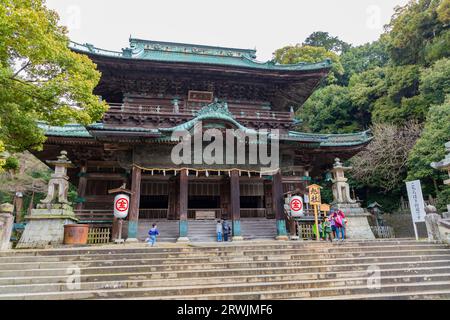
{"points": [[326, 229], [219, 231], [153, 232]]}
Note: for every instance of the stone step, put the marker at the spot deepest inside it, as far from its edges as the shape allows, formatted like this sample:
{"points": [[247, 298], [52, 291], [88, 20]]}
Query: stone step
{"points": [[152, 259], [156, 254], [213, 246], [436, 289], [51, 284], [270, 290], [142, 266], [129, 273]]}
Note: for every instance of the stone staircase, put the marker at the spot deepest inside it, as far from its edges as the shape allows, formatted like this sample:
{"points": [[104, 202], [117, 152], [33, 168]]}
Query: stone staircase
{"points": [[380, 269], [205, 230]]}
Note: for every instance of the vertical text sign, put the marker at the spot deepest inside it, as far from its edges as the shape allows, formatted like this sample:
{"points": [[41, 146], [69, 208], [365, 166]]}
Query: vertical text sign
{"points": [[416, 203]]}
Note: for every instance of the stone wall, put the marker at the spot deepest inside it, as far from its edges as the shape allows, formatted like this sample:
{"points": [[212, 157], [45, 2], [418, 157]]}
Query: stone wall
{"points": [[402, 224]]}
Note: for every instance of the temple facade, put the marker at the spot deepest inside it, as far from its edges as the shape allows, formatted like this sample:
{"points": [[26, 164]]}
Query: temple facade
{"points": [[156, 90]]}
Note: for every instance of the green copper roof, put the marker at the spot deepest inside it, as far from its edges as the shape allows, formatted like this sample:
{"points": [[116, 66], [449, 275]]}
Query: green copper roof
{"points": [[330, 140], [214, 111], [68, 130], [190, 53]]}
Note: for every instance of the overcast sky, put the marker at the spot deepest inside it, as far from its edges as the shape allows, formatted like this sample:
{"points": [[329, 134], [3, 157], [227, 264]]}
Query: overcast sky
{"points": [[262, 24]]}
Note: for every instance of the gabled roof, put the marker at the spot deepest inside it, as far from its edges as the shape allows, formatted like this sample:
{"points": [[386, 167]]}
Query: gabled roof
{"points": [[192, 53]]}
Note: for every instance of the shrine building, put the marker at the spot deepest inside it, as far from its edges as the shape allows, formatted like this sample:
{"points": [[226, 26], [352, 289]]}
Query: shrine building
{"points": [[157, 89]]}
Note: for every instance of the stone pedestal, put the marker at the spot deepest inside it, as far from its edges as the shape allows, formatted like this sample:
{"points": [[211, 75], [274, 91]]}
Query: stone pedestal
{"points": [[358, 224], [432, 223], [45, 226], [6, 225]]}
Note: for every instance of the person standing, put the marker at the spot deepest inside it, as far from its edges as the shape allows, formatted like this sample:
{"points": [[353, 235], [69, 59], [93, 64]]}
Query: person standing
{"points": [[225, 229], [219, 231], [340, 224], [332, 223], [153, 233]]}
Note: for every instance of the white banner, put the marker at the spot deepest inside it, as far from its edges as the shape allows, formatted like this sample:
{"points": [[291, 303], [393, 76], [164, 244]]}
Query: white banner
{"points": [[416, 203]]}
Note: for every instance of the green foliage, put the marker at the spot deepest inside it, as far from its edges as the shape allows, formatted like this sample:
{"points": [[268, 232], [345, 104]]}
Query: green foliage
{"points": [[430, 146], [363, 58], [418, 32], [443, 198], [41, 78], [325, 40], [305, 53], [330, 110], [11, 163], [435, 82]]}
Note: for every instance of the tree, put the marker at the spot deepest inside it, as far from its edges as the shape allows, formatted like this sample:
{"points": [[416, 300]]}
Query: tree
{"points": [[430, 146], [418, 32], [325, 40], [435, 82], [330, 110], [40, 77], [303, 53], [383, 165], [363, 58]]}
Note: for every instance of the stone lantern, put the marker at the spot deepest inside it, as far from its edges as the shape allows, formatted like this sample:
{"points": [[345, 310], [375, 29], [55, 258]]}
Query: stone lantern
{"points": [[358, 226], [45, 224]]}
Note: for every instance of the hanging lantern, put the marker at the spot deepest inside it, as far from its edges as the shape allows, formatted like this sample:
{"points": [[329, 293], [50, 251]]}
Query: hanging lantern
{"points": [[207, 173]]}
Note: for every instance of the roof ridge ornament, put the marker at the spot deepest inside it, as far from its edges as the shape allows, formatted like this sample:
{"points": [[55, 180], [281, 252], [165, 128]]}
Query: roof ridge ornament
{"points": [[217, 107]]}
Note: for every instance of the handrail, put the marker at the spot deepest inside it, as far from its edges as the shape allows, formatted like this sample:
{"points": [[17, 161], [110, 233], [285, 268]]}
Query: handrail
{"points": [[165, 109]]}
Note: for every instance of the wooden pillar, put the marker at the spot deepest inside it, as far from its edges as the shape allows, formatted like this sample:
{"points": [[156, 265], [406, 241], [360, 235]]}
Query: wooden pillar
{"points": [[134, 204], [235, 205], [172, 199], [183, 203], [278, 206], [82, 184], [268, 199], [225, 198]]}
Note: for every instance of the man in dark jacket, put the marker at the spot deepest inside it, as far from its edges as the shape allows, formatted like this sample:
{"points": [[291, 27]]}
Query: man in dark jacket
{"points": [[226, 230]]}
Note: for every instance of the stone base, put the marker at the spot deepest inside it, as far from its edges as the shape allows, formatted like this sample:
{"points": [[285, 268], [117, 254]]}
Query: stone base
{"points": [[45, 227], [358, 225], [132, 240], [294, 238], [183, 239], [237, 238], [6, 226], [282, 238]]}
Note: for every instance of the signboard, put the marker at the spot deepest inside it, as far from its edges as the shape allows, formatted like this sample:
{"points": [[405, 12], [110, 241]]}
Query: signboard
{"points": [[324, 207], [200, 96], [416, 203], [314, 194], [121, 205], [296, 206]]}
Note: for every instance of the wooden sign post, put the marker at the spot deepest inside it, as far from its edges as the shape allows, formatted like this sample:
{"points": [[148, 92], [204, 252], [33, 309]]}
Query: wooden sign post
{"points": [[315, 201]]}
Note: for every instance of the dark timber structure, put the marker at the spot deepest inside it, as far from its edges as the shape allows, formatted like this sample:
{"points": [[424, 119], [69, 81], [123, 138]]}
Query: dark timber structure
{"points": [[156, 88]]}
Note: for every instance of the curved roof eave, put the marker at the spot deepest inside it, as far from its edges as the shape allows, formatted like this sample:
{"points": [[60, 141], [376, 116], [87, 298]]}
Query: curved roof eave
{"points": [[176, 57]]}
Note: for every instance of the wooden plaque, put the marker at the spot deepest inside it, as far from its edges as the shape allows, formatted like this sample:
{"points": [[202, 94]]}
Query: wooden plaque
{"points": [[200, 96], [205, 215]]}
